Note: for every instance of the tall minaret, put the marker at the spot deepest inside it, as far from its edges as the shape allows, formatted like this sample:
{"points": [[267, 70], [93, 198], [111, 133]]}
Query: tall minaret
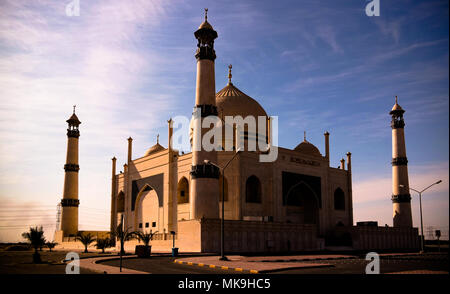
{"points": [[70, 202], [205, 177], [401, 199]]}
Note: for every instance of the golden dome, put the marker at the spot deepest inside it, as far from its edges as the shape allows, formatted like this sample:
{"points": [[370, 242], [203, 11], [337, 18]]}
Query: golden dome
{"points": [[396, 107], [232, 102], [205, 25], [155, 148], [307, 148]]}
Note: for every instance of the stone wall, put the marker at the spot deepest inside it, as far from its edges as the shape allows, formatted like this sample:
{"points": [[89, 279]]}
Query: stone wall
{"points": [[246, 236], [383, 238]]}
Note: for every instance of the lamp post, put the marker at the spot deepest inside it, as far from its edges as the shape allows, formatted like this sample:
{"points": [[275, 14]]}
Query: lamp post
{"points": [[420, 205], [222, 220]]}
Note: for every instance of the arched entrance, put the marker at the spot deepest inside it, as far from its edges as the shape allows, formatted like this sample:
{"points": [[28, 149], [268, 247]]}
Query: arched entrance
{"points": [[302, 204], [147, 212]]}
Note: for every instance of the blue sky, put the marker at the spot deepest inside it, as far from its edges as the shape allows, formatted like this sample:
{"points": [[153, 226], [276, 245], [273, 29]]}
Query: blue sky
{"points": [[129, 66]]}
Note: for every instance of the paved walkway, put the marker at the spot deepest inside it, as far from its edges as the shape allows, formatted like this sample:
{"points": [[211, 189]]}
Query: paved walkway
{"points": [[421, 272], [298, 257], [91, 263], [252, 264]]}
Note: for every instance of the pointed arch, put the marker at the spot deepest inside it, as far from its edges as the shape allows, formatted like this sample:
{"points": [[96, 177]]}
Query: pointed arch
{"points": [[253, 190], [151, 205], [300, 187], [339, 199], [301, 195], [120, 202], [183, 191]]}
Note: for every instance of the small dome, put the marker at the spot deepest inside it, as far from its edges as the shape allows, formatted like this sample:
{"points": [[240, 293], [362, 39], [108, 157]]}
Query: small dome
{"points": [[205, 25], [396, 107], [307, 148], [73, 120], [233, 102], [154, 149]]}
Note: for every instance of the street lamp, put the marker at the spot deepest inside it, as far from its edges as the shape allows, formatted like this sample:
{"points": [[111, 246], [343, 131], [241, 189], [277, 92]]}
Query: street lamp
{"points": [[420, 204], [222, 220]]}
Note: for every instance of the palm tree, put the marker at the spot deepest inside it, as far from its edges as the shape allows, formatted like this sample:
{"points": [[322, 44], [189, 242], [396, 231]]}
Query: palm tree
{"points": [[103, 243], [145, 237], [86, 239], [146, 250], [36, 237], [123, 236], [51, 245]]}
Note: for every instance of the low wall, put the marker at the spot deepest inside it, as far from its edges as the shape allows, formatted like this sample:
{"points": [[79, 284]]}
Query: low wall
{"points": [[383, 238], [246, 236], [160, 243], [70, 243]]}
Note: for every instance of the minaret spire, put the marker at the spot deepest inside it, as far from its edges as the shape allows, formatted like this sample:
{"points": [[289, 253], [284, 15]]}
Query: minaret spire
{"points": [[70, 202], [401, 198], [229, 74], [204, 188]]}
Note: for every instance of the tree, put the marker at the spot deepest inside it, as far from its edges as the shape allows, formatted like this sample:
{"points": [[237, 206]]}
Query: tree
{"points": [[51, 245], [36, 237], [103, 243], [86, 239], [145, 237], [123, 236]]}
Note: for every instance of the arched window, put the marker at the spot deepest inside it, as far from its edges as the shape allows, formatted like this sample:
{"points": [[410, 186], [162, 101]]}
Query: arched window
{"points": [[339, 199], [120, 202], [183, 191], [253, 190], [225, 188]]}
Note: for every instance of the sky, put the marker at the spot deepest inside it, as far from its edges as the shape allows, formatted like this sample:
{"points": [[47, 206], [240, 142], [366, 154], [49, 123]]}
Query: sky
{"points": [[129, 66]]}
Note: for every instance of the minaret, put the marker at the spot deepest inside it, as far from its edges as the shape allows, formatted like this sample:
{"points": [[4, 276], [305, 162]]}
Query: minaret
{"points": [[113, 195], [70, 202], [401, 199], [327, 147], [205, 177]]}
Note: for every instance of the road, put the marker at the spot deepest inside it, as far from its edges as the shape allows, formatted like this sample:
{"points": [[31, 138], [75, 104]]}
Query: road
{"points": [[165, 265]]}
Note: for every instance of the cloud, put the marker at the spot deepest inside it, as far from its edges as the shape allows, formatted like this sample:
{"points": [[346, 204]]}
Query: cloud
{"points": [[380, 188], [99, 62]]}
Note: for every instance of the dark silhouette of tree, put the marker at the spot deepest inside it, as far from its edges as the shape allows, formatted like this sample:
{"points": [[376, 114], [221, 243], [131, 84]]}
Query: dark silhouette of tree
{"points": [[36, 237], [103, 243], [51, 245], [86, 239], [123, 236]]}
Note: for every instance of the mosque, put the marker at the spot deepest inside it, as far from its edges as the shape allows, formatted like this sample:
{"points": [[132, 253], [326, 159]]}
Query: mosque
{"points": [[297, 202]]}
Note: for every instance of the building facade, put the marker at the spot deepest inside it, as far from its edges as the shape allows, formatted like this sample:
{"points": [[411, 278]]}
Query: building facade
{"points": [[163, 190], [296, 202]]}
